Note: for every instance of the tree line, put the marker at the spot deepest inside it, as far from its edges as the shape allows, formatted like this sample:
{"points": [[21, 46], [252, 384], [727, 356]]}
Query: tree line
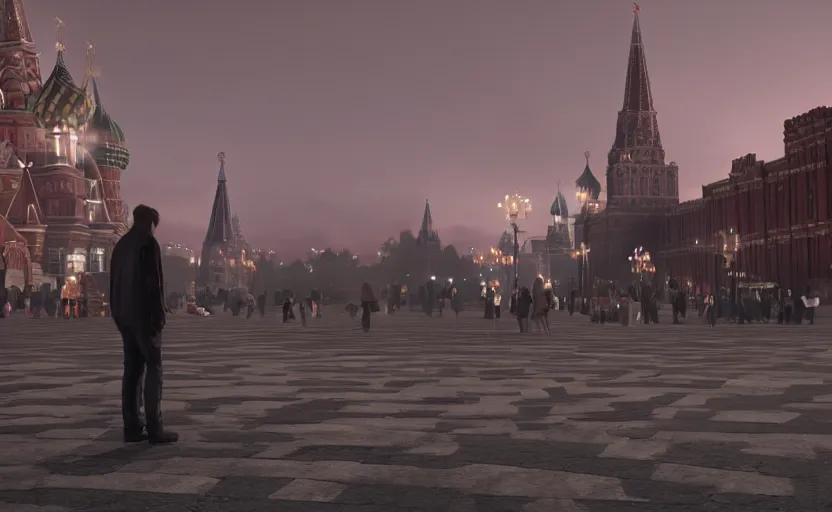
{"points": [[339, 275]]}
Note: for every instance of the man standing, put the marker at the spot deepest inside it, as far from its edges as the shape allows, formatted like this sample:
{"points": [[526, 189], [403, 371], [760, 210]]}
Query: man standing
{"points": [[137, 305]]}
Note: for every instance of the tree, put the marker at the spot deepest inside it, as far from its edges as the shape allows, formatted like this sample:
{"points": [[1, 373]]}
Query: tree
{"points": [[179, 273], [339, 276]]}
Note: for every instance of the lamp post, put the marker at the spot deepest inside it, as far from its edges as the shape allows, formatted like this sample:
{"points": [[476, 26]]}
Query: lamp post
{"points": [[516, 207], [583, 196], [730, 246], [640, 263]]}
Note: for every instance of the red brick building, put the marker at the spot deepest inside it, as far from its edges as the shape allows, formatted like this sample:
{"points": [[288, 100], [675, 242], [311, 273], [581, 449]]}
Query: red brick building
{"points": [[61, 159], [769, 220]]}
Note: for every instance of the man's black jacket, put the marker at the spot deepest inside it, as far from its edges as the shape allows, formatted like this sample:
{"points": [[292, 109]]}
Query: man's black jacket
{"points": [[136, 283]]}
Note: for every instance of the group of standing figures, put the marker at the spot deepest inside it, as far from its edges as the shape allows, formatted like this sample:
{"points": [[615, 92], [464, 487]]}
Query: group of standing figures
{"points": [[531, 307]]}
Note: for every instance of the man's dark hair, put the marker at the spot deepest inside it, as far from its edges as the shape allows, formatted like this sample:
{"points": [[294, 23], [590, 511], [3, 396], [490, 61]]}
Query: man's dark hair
{"points": [[145, 216]]}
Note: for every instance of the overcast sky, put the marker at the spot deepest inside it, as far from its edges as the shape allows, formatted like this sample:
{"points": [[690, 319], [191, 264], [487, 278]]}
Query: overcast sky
{"points": [[340, 117]]}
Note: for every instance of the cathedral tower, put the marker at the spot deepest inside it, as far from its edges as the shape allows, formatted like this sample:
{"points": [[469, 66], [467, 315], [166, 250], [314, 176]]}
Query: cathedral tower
{"points": [[20, 79], [637, 175]]}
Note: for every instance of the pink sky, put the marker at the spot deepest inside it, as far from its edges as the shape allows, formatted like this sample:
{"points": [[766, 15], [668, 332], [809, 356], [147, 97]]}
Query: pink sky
{"points": [[339, 118]]}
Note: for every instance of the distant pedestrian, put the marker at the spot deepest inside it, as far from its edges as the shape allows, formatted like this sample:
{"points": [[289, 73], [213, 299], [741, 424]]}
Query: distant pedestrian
{"points": [[287, 309], [456, 301], [541, 305], [523, 308], [302, 311], [368, 305], [261, 304], [810, 302]]}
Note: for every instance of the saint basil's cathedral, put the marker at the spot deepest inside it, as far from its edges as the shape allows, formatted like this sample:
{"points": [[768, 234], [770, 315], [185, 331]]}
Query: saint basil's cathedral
{"points": [[61, 159]]}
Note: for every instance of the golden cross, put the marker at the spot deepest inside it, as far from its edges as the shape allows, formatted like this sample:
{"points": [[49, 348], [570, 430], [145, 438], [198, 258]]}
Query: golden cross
{"points": [[59, 29], [636, 8], [90, 55]]}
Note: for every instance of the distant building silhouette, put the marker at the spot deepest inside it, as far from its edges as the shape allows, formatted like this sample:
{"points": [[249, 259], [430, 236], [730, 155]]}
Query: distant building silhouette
{"points": [[427, 237]]}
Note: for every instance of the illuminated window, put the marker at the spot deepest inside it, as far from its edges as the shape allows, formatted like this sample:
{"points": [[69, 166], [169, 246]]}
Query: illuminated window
{"points": [[76, 262]]}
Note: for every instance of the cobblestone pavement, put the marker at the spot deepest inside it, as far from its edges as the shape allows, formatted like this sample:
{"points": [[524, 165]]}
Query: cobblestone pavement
{"points": [[423, 414]]}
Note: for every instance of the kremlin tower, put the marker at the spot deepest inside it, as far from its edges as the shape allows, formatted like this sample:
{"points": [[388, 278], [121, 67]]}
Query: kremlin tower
{"points": [[61, 158], [640, 186], [224, 262]]}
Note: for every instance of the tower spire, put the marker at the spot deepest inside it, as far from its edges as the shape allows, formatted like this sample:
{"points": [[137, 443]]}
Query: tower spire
{"points": [[21, 72], [427, 236], [637, 175], [637, 94], [220, 229], [59, 35], [221, 175], [13, 24], [427, 219]]}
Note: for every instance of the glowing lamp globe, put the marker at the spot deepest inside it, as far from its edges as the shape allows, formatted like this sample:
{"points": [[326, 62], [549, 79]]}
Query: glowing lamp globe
{"points": [[516, 207]]}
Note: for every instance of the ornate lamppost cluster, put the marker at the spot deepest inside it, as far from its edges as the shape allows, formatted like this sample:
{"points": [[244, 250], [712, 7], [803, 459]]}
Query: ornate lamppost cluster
{"points": [[517, 207], [641, 262]]}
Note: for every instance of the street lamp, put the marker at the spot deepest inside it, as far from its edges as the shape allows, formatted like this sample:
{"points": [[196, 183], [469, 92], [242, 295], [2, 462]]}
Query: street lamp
{"points": [[730, 246], [516, 207]]}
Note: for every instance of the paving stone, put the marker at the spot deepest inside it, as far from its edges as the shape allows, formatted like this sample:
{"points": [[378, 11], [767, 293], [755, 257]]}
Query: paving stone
{"points": [[422, 414]]}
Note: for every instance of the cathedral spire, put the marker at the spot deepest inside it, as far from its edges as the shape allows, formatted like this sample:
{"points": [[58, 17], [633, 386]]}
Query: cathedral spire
{"points": [[21, 66], [427, 236], [427, 220], [220, 231]]}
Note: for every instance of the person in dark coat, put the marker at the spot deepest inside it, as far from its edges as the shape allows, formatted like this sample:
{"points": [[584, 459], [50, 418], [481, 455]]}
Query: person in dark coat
{"points": [[261, 303], [524, 307], [138, 308], [287, 309], [489, 302], [368, 304]]}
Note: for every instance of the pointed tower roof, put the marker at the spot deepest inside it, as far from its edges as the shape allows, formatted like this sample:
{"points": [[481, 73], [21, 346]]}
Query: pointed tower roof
{"points": [[13, 22], [427, 236], [559, 207], [220, 229], [427, 220], [637, 94], [587, 181]]}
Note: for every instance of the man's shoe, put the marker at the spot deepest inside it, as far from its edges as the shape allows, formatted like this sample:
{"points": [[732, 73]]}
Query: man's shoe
{"points": [[165, 437], [134, 436]]}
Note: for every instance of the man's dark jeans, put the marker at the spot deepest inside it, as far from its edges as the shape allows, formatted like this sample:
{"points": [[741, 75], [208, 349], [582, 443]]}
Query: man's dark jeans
{"points": [[142, 351]]}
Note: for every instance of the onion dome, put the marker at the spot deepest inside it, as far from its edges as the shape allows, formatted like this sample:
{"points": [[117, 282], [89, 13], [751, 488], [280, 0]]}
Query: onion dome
{"points": [[588, 182], [506, 242], [110, 150], [62, 104], [559, 207]]}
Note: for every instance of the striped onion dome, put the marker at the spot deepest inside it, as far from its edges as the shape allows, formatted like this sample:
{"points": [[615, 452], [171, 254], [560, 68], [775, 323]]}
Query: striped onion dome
{"points": [[62, 104]]}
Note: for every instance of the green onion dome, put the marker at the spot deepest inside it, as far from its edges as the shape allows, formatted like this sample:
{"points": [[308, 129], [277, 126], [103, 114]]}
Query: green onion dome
{"points": [[588, 182], [110, 146], [559, 207]]}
